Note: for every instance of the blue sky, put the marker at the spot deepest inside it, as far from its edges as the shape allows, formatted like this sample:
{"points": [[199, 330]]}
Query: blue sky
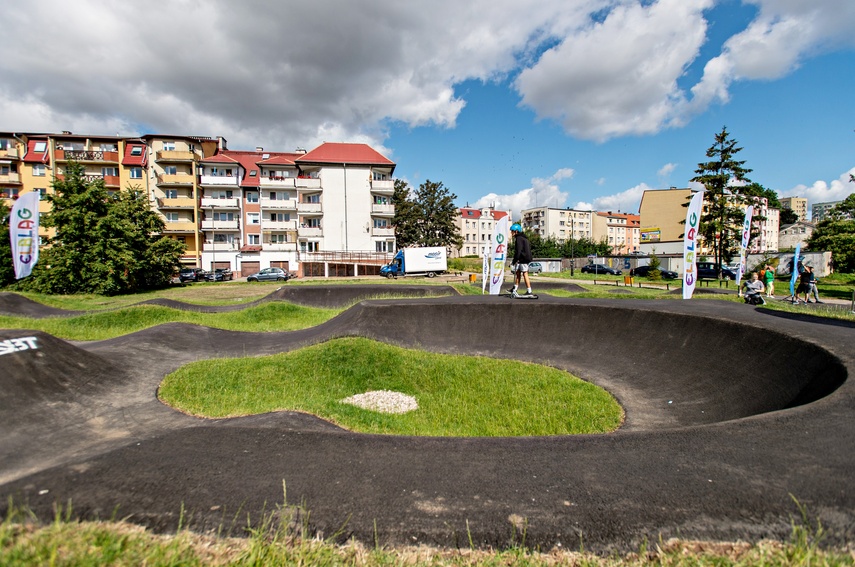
{"points": [[564, 103]]}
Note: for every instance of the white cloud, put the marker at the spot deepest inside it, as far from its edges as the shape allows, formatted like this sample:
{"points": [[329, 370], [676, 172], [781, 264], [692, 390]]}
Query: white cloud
{"points": [[784, 33], [583, 206], [542, 193], [666, 170], [627, 201], [618, 77], [822, 191]]}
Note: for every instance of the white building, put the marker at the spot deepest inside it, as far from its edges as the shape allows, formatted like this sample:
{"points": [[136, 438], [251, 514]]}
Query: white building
{"points": [[560, 224], [476, 228]]}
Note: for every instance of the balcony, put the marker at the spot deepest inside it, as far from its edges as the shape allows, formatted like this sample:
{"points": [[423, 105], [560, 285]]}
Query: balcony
{"points": [[220, 246], [383, 187], [174, 155], [220, 224], [308, 183], [285, 182], [87, 155], [383, 210], [280, 246], [310, 208], [229, 180], [214, 203], [176, 203], [310, 232], [173, 227], [10, 152], [279, 225], [279, 204], [385, 231], [175, 179], [10, 178]]}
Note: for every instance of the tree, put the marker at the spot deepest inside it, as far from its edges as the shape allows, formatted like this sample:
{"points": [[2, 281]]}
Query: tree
{"points": [[105, 244], [427, 217], [7, 268], [725, 180], [837, 234]]}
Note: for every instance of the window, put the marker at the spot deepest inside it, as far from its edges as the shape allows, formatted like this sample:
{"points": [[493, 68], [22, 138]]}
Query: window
{"points": [[171, 193], [381, 223], [170, 170], [316, 198], [224, 216], [4, 170], [4, 144], [278, 238], [253, 173], [14, 192], [252, 239], [42, 192], [136, 173], [171, 217], [40, 147], [136, 151], [280, 217], [312, 223], [251, 197], [39, 170], [310, 246], [223, 238], [168, 146], [380, 176], [105, 171], [383, 246], [252, 218]]}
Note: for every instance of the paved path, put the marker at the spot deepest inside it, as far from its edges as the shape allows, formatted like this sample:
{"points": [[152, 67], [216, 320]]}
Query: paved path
{"points": [[731, 412]]}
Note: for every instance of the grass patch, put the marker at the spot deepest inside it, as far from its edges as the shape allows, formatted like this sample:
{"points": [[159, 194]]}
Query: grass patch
{"points": [[269, 316], [457, 395]]}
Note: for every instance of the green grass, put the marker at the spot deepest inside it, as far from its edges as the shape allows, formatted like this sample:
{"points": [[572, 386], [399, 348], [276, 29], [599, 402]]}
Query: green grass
{"points": [[269, 316], [457, 395], [25, 542]]}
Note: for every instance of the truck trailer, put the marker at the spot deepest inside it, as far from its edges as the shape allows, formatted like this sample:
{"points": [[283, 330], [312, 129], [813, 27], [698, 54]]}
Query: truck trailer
{"points": [[426, 261]]}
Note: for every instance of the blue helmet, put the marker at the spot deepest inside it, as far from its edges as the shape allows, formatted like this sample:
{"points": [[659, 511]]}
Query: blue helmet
{"points": [[516, 227]]}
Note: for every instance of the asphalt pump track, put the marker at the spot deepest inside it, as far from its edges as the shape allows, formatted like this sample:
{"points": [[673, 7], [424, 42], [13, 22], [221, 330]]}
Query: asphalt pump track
{"points": [[735, 417]]}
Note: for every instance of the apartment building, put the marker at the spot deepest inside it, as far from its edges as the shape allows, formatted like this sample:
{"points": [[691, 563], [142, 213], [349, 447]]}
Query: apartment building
{"points": [[560, 224], [476, 228], [620, 230], [663, 213], [796, 204], [327, 209], [819, 211], [766, 239]]}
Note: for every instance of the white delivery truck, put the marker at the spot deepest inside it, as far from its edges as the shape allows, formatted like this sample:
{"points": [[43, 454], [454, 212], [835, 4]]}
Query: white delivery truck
{"points": [[426, 261]]}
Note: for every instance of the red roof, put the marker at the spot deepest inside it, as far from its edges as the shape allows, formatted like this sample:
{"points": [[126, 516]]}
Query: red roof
{"points": [[32, 157], [357, 154], [129, 159], [471, 213], [280, 159]]}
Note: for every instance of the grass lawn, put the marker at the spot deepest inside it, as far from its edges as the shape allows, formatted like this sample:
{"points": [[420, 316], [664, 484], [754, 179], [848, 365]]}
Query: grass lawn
{"points": [[456, 395]]}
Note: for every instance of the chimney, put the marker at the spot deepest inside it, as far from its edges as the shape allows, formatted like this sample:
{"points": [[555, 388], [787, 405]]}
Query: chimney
{"points": [[259, 149], [300, 151]]}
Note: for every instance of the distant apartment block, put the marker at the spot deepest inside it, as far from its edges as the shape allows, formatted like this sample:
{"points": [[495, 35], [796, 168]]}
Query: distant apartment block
{"points": [[819, 211], [560, 224], [323, 212], [476, 228], [620, 230], [796, 204]]}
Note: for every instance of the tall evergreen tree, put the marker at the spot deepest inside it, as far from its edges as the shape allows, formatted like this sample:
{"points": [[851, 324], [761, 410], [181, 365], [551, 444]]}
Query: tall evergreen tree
{"points": [[725, 180], [104, 243], [407, 215]]}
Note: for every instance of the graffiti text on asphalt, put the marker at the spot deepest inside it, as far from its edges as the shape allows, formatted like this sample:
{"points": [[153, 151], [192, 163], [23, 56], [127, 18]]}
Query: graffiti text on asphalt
{"points": [[14, 345]]}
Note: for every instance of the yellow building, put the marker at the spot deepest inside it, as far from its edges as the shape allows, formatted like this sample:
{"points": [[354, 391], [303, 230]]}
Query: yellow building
{"points": [[796, 204], [663, 213]]}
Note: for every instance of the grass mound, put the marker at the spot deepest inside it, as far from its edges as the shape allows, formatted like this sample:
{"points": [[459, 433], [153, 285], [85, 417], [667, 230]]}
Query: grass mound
{"points": [[457, 395]]}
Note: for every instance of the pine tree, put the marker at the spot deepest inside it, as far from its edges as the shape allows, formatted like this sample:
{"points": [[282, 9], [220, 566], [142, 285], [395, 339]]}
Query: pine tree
{"points": [[725, 180], [427, 217]]}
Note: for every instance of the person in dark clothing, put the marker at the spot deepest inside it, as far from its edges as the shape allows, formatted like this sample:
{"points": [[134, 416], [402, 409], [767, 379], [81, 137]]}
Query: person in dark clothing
{"points": [[522, 258]]}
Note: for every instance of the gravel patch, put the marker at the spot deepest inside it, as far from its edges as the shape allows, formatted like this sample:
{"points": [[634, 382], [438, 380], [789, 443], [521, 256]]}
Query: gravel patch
{"points": [[383, 401]]}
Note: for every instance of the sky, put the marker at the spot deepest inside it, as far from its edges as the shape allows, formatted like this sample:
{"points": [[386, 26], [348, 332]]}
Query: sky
{"points": [[560, 103]]}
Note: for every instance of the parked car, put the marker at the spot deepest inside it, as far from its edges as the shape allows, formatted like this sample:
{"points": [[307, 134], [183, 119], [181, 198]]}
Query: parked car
{"points": [[535, 268], [220, 275], [600, 269], [191, 275], [709, 271], [270, 275], [644, 271]]}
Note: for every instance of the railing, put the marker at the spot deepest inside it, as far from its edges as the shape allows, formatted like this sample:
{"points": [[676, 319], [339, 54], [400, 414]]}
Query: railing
{"points": [[220, 246], [174, 155], [309, 207], [382, 186], [278, 225], [176, 203], [308, 183], [219, 180], [277, 181], [383, 209], [215, 203], [220, 225], [180, 226], [281, 204], [347, 257], [310, 232], [175, 179], [280, 246], [87, 155], [11, 152], [10, 178], [382, 231]]}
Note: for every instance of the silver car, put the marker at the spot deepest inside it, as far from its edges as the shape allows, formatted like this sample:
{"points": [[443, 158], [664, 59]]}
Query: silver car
{"points": [[270, 275]]}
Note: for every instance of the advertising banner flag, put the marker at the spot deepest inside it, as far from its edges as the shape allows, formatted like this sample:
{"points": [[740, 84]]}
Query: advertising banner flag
{"points": [[24, 233], [746, 235], [795, 274], [485, 270], [690, 244], [498, 255]]}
